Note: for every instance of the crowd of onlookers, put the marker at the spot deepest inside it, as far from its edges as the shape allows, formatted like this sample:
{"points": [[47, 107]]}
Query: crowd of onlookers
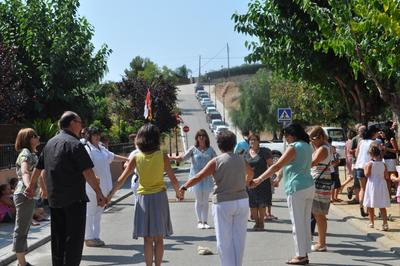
{"points": [[72, 175]]}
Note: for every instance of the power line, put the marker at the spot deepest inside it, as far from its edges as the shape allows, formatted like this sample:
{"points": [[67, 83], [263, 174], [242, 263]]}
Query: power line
{"points": [[223, 48]]}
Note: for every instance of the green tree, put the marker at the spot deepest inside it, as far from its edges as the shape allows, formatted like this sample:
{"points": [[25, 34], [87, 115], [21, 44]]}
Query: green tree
{"points": [[183, 72], [286, 39], [12, 95], [54, 51], [367, 34]]}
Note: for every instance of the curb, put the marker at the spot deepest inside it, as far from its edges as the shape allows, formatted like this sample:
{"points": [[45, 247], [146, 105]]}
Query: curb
{"points": [[12, 257], [361, 226]]}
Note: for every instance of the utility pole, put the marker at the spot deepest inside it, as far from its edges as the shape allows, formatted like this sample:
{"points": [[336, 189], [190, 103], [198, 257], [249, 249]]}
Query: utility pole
{"points": [[227, 50], [198, 80]]}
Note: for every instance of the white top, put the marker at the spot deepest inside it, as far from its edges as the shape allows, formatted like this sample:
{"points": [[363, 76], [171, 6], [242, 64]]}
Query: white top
{"points": [[363, 156], [102, 159]]}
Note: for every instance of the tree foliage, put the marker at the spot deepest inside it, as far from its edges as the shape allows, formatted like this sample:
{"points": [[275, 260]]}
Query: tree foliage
{"points": [[12, 95], [163, 99], [287, 39], [54, 51]]}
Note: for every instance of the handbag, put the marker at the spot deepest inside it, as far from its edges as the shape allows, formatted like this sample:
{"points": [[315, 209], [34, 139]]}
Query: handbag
{"points": [[323, 184]]}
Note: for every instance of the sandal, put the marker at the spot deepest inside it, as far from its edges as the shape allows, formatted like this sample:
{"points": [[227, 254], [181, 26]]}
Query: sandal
{"points": [[298, 261], [385, 227]]}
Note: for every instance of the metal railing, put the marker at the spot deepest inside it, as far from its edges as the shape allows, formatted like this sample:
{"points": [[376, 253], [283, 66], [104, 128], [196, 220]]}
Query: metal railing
{"points": [[8, 155]]}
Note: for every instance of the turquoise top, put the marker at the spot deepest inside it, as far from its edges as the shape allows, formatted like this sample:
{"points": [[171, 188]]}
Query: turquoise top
{"points": [[297, 174]]}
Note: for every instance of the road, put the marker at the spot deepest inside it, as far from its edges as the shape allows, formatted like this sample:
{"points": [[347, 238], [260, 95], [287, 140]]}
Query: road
{"points": [[346, 245]]}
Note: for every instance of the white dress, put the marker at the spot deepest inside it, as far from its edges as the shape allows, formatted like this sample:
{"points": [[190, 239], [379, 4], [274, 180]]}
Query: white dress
{"points": [[376, 191]]}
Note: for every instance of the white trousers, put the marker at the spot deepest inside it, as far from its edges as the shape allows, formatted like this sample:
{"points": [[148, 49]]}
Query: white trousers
{"points": [[93, 218], [201, 205], [300, 204], [230, 220]]}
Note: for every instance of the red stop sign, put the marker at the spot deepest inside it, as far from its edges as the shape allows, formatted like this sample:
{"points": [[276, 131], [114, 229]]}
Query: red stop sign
{"points": [[185, 129]]}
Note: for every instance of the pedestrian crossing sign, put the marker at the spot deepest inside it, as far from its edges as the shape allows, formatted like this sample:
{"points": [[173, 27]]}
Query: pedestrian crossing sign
{"points": [[284, 115]]}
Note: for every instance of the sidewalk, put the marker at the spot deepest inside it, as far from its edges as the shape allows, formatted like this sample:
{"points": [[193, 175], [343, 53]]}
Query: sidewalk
{"points": [[351, 215], [39, 235]]}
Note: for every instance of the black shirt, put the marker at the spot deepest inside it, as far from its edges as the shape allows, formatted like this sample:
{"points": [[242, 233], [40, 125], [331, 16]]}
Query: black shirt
{"points": [[65, 158]]}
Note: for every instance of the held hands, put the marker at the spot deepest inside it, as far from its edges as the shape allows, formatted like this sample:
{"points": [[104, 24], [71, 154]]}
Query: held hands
{"points": [[255, 182], [101, 200], [29, 192]]}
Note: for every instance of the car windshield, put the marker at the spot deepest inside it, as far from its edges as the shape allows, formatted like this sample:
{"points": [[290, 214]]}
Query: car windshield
{"points": [[336, 134]]}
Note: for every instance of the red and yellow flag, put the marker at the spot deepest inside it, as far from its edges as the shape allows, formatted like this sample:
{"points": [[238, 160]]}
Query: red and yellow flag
{"points": [[147, 107]]}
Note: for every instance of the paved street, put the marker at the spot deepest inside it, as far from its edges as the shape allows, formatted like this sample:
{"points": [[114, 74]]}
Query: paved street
{"points": [[346, 245]]}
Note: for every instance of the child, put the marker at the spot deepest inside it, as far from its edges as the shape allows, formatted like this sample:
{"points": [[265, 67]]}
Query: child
{"points": [[7, 207], [376, 192], [335, 173], [396, 179], [13, 184], [152, 218]]}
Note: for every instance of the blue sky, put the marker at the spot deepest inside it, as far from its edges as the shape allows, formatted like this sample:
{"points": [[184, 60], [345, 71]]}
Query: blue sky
{"points": [[170, 33]]}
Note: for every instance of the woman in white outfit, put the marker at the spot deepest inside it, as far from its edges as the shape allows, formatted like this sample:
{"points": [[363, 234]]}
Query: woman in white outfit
{"points": [[102, 159], [231, 204], [200, 154], [363, 158]]}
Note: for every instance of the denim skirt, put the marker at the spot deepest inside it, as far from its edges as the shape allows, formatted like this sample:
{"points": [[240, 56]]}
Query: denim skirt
{"points": [[152, 217]]}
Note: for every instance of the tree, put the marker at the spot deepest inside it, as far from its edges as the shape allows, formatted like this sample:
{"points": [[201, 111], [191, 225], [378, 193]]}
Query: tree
{"points": [[287, 36], [163, 99], [367, 34], [183, 72], [12, 96], [54, 51]]}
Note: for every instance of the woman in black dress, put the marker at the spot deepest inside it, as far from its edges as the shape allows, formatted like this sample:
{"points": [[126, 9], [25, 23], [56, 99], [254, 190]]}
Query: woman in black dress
{"points": [[260, 197]]}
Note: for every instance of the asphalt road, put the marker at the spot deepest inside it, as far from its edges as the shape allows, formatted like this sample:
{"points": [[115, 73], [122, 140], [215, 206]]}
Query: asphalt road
{"points": [[346, 244]]}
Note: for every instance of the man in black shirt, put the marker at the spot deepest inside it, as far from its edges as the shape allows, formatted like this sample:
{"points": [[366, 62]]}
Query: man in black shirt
{"points": [[67, 166]]}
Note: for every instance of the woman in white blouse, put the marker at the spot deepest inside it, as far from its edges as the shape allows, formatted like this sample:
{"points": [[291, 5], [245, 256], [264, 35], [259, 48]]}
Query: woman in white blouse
{"points": [[102, 159]]}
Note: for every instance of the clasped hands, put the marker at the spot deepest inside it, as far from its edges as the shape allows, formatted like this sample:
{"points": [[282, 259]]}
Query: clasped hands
{"points": [[257, 181]]}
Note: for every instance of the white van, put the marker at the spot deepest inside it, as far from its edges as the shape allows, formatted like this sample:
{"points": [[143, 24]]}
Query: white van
{"points": [[338, 137]]}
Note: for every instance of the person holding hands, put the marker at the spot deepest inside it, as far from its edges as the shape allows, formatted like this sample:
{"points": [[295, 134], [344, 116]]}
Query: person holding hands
{"points": [[152, 219]]}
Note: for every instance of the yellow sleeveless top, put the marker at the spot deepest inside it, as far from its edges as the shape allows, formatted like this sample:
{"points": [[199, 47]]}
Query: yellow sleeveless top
{"points": [[150, 168]]}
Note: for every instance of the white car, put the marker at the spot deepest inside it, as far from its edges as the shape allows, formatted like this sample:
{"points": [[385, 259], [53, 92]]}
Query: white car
{"points": [[216, 122], [219, 129], [205, 100], [210, 109], [338, 139]]}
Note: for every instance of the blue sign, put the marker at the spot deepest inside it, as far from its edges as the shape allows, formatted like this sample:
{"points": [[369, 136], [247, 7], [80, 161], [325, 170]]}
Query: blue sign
{"points": [[284, 115]]}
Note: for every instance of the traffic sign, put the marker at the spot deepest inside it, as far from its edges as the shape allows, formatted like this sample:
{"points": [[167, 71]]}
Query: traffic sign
{"points": [[186, 129], [284, 115]]}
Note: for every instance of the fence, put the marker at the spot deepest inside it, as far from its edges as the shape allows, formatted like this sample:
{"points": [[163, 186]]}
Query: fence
{"points": [[8, 155]]}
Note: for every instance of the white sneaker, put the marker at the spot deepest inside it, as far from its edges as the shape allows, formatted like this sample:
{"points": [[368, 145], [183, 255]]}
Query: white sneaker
{"points": [[200, 226], [206, 226]]}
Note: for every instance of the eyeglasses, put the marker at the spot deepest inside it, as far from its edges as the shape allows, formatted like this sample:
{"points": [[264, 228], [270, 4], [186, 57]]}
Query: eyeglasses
{"points": [[315, 138], [35, 136]]}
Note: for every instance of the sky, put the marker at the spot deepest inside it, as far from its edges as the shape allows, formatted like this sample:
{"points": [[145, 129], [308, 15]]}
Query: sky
{"points": [[168, 32]]}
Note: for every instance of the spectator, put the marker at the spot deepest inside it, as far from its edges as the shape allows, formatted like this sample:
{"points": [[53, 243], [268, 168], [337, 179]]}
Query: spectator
{"points": [[336, 184], [82, 135], [364, 157], [243, 145], [13, 184], [200, 154], [101, 158], [26, 145], [260, 197], [231, 205], [376, 193], [298, 185], [349, 160], [356, 187], [152, 218], [67, 166], [7, 207], [321, 173], [390, 150]]}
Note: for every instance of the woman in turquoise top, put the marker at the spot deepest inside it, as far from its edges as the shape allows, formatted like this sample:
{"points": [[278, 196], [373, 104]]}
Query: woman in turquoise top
{"points": [[299, 187]]}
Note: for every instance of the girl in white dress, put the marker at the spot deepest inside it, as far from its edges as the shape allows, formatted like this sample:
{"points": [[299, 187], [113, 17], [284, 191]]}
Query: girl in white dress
{"points": [[376, 191]]}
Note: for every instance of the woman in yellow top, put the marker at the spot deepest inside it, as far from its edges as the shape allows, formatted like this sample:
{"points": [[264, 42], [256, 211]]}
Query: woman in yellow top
{"points": [[152, 219]]}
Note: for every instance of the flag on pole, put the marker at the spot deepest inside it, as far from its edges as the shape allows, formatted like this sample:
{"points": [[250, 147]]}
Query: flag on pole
{"points": [[147, 107]]}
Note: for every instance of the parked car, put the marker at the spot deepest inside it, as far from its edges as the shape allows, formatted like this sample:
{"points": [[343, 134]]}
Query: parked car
{"points": [[220, 129], [338, 137], [201, 94], [198, 87], [213, 115], [210, 108], [206, 99], [216, 122], [205, 105]]}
